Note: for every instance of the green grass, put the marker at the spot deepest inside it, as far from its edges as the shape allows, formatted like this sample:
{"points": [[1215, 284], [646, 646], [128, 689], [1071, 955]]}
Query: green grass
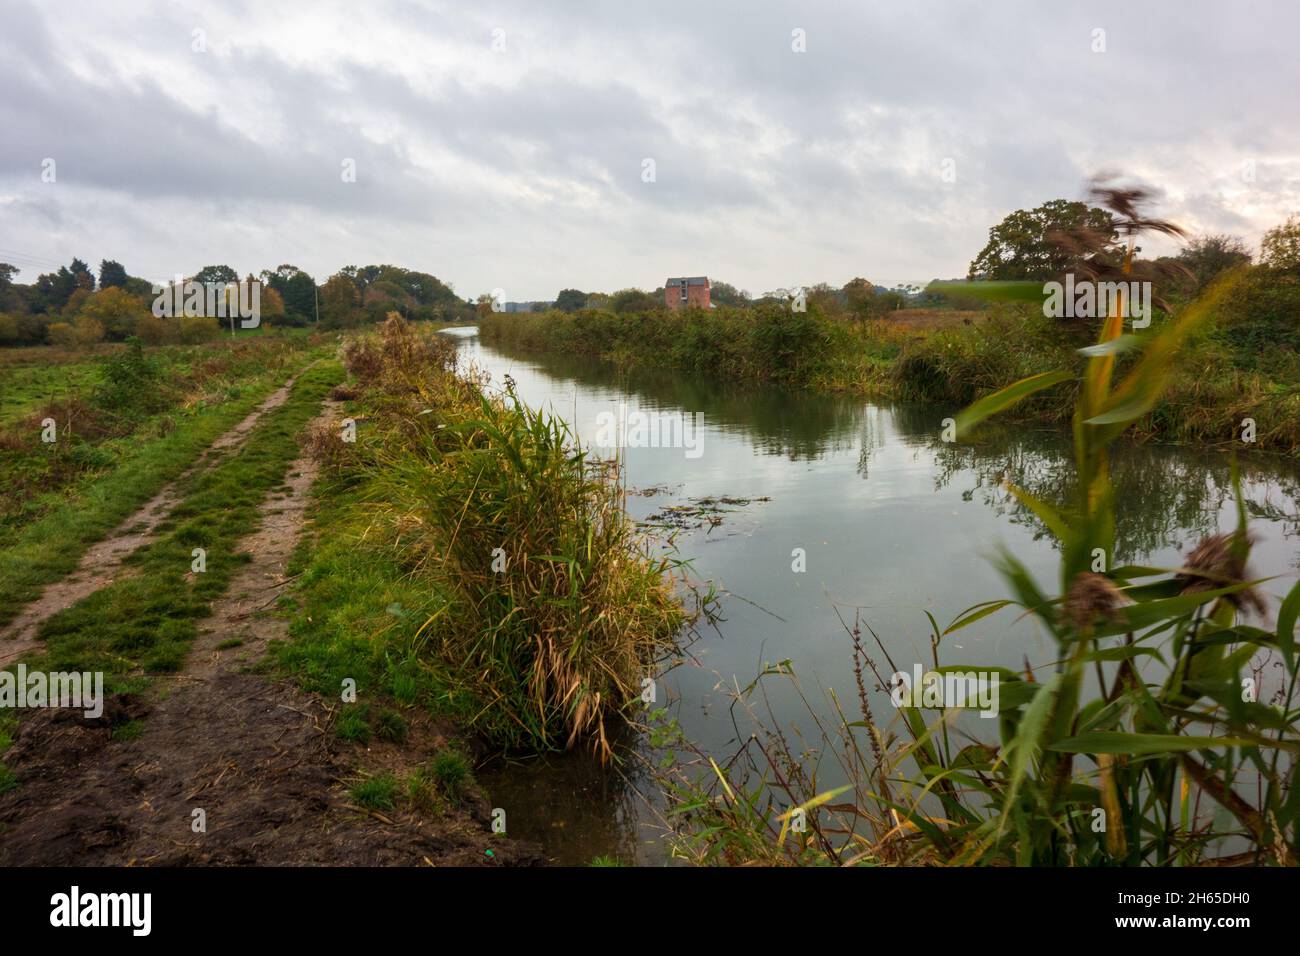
{"points": [[396, 590], [442, 781], [8, 724], [50, 547], [352, 724], [452, 771], [391, 726], [25, 388], [132, 397], [376, 793], [146, 621], [131, 730]]}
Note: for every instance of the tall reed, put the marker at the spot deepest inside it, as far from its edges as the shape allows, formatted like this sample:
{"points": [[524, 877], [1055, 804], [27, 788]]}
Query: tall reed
{"points": [[551, 607], [1183, 717]]}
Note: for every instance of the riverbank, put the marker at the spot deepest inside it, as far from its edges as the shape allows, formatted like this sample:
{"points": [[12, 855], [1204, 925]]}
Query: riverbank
{"points": [[1225, 375], [468, 570]]}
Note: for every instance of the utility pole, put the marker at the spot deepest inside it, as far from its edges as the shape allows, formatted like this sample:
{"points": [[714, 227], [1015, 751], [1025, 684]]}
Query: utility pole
{"points": [[315, 294]]}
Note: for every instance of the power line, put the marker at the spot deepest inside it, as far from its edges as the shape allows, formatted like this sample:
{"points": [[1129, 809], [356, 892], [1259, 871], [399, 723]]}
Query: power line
{"points": [[29, 261]]}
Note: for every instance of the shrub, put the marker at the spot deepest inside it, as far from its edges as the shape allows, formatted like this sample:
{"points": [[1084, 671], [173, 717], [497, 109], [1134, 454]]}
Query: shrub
{"points": [[195, 329], [88, 330], [9, 330], [62, 334], [152, 330], [131, 382]]}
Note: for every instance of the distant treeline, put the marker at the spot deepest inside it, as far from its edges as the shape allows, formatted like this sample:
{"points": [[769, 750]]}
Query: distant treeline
{"points": [[1245, 362], [72, 306]]}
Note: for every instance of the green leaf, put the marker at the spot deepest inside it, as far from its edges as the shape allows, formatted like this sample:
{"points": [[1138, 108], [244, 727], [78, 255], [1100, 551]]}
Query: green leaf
{"points": [[974, 613], [1286, 617], [1048, 515], [1004, 398], [1028, 740]]}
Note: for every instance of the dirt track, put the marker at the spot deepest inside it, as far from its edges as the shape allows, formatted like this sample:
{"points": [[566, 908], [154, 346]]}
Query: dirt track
{"points": [[102, 562], [258, 757]]}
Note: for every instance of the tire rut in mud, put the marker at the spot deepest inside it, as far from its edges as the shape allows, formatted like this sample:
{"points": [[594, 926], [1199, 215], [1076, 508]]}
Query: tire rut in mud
{"points": [[257, 756]]}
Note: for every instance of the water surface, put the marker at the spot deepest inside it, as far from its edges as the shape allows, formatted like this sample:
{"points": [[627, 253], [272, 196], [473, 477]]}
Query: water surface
{"points": [[893, 523]]}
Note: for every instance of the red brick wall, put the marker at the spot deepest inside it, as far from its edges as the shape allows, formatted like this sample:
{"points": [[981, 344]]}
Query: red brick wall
{"points": [[697, 297]]}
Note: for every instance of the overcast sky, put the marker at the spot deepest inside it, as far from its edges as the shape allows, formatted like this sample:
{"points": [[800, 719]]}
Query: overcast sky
{"points": [[503, 145]]}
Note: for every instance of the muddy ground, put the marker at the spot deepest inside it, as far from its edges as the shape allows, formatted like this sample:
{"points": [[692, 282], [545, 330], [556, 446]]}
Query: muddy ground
{"points": [[258, 757]]}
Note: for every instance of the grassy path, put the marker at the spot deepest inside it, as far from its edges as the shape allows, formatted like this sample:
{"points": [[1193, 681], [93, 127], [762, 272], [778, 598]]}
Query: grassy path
{"points": [[257, 759], [102, 562], [118, 509]]}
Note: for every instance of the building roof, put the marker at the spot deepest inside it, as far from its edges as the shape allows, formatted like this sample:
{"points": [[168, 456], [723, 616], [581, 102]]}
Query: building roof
{"points": [[687, 280]]}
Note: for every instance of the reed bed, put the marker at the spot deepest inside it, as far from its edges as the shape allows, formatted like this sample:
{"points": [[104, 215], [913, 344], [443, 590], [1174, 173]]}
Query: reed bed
{"points": [[549, 606]]}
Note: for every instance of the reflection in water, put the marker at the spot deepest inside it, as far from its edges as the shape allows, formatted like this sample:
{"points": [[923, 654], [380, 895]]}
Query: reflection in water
{"points": [[893, 521], [796, 425], [577, 809], [1169, 495]]}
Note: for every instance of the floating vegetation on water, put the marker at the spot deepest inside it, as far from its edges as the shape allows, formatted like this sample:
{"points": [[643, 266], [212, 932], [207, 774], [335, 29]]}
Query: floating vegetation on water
{"points": [[704, 512]]}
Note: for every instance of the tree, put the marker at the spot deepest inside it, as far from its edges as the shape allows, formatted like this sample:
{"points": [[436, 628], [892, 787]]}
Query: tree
{"points": [[7, 273], [83, 278], [116, 311], [111, 274], [825, 298], [297, 289], [724, 293], [54, 289], [1280, 248], [88, 330], [282, 274], [152, 330], [570, 300], [1207, 256], [216, 275], [272, 304], [860, 299], [339, 301], [387, 294], [62, 335], [633, 300], [1026, 244], [76, 301]]}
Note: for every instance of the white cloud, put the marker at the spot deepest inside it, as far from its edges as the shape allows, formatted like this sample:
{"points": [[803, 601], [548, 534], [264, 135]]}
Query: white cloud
{"points": [[522, 168]]}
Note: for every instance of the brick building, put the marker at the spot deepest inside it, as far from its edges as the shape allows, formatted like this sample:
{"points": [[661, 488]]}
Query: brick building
{"points": [[687, 293]]}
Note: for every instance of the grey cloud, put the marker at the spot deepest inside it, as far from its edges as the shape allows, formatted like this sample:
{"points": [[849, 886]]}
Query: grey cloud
{"points": [[800, 167]]}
